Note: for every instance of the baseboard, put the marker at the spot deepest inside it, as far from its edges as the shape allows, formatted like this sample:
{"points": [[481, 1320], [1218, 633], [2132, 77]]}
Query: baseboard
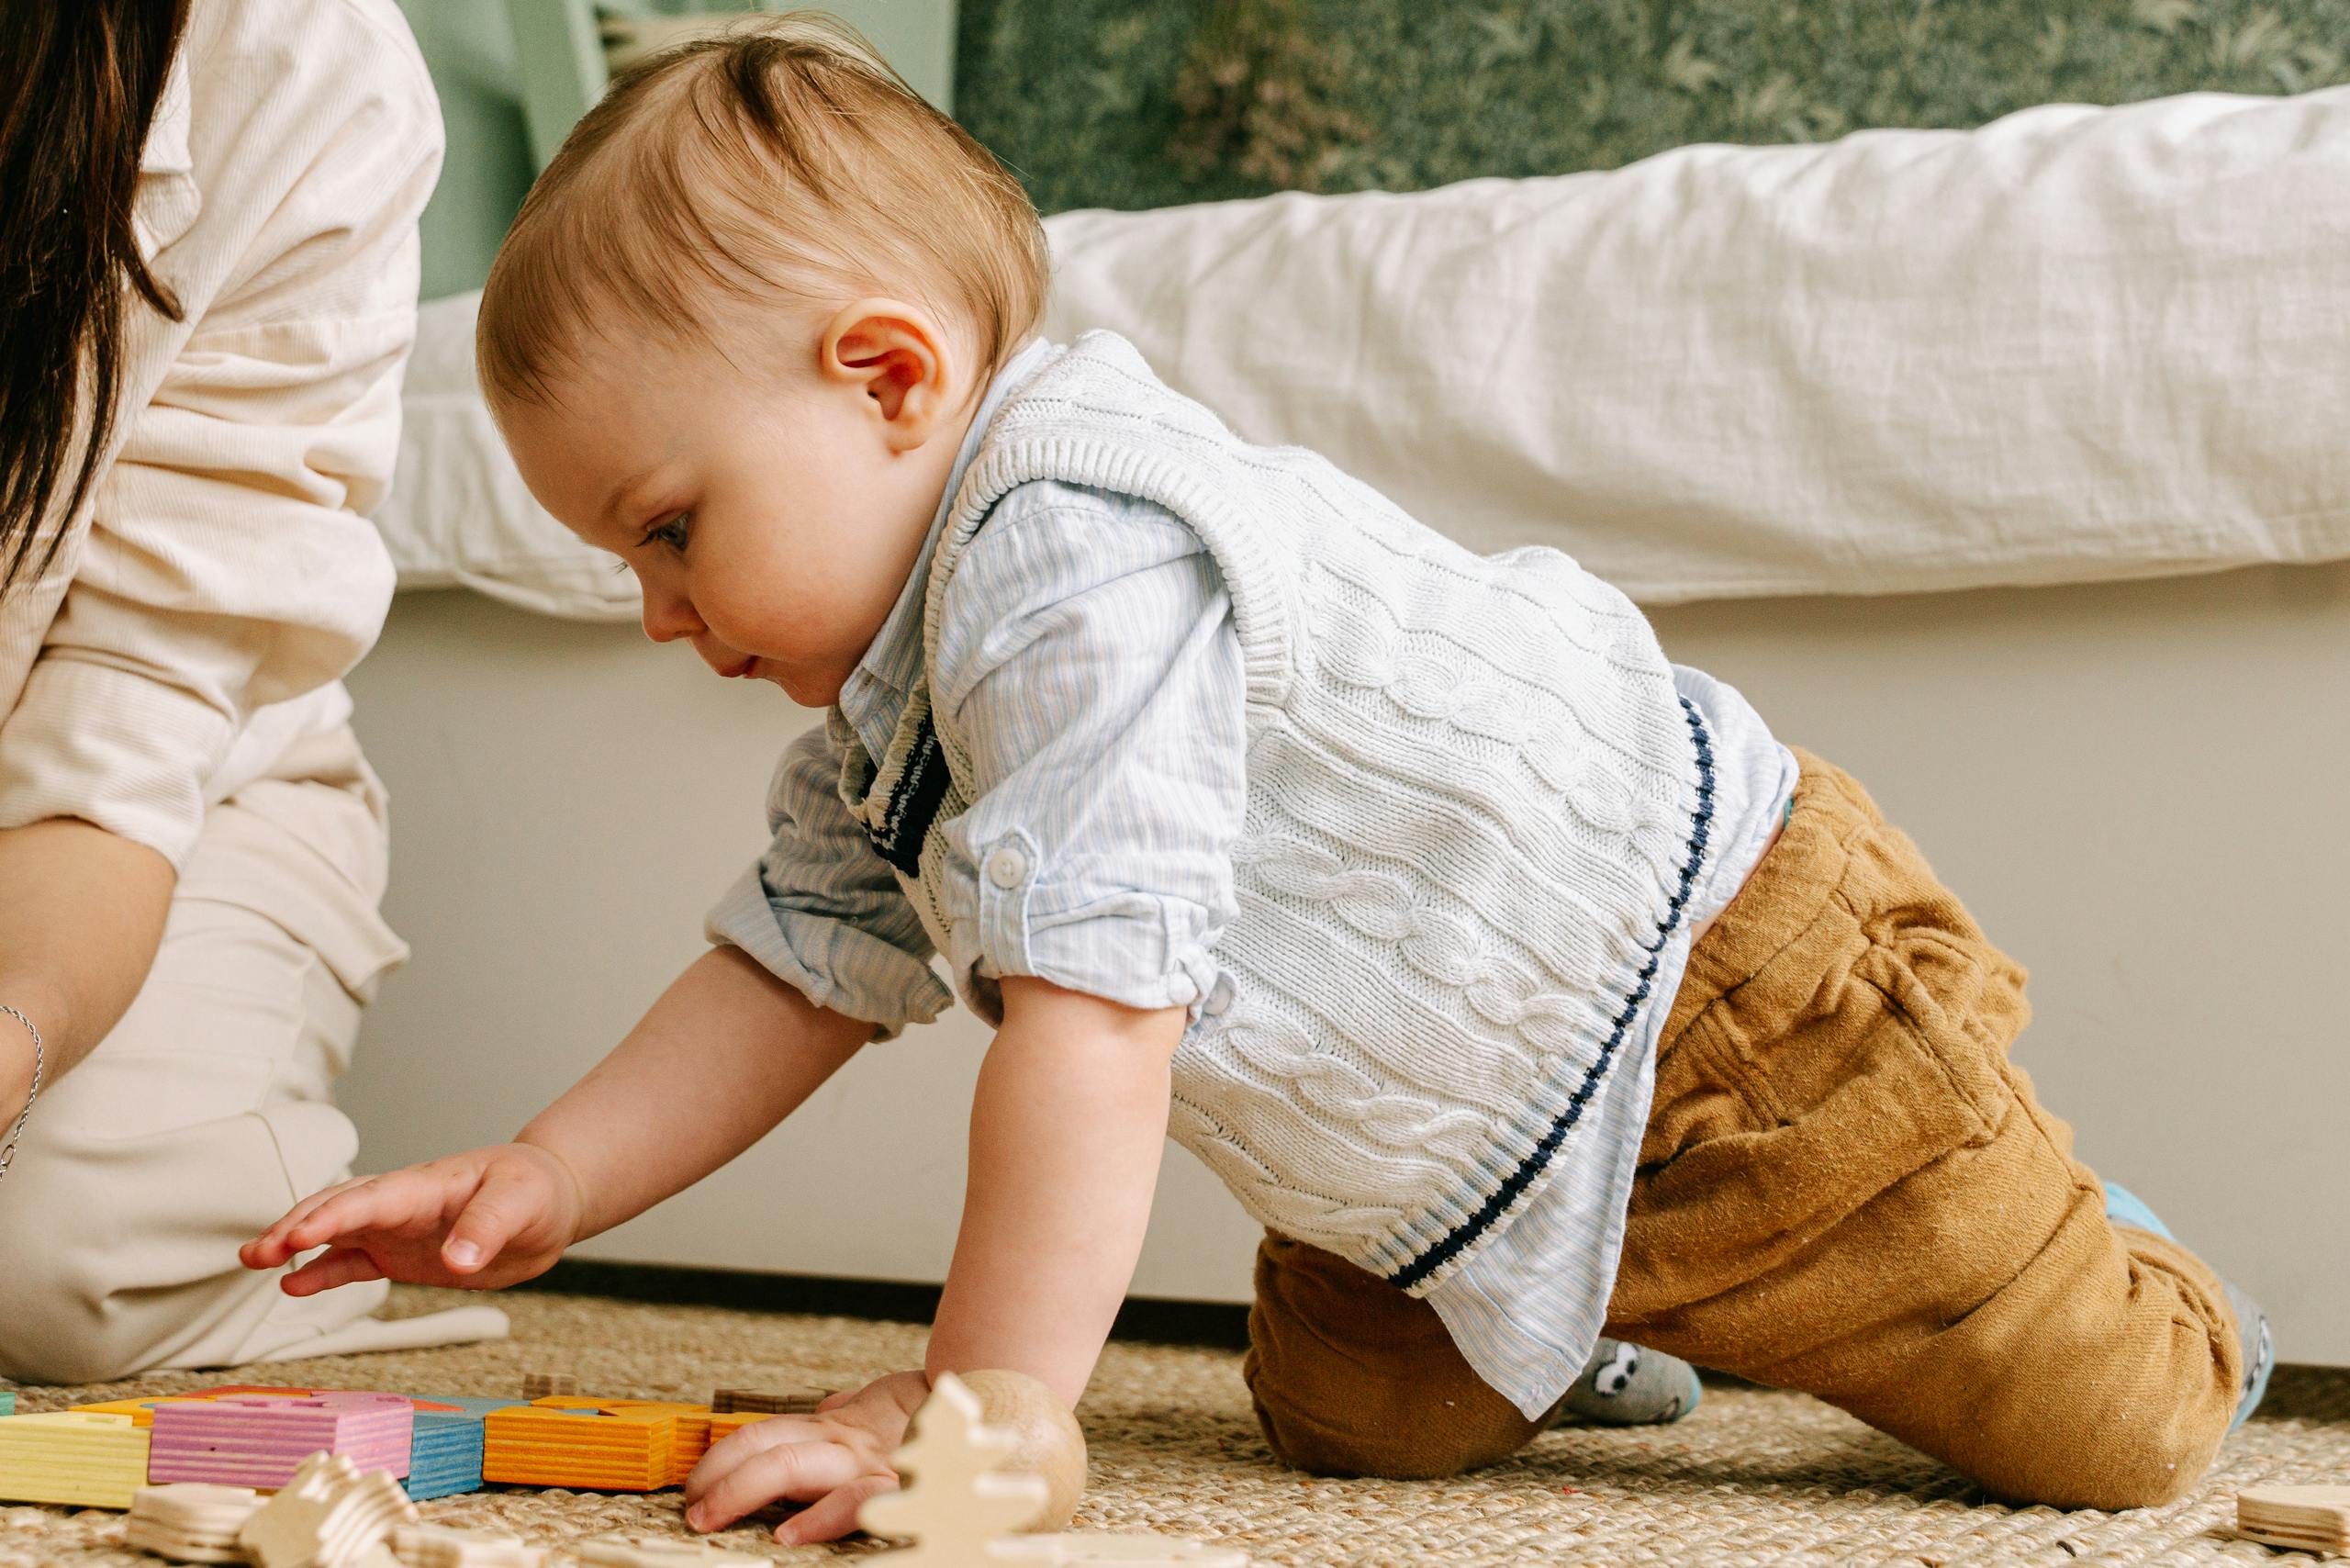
{"points": [[1215, 1325]]}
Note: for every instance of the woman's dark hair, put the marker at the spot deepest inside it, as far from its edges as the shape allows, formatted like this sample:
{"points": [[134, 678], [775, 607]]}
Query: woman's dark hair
{"points": [[85, 79]]}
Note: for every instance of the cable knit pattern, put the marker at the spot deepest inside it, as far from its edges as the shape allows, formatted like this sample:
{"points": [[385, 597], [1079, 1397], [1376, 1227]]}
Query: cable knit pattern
{"points": [[1476, 805]]}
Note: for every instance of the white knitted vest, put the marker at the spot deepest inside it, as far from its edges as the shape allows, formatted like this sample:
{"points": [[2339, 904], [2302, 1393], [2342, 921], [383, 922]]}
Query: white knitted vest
{"points": [[1475, 807]]}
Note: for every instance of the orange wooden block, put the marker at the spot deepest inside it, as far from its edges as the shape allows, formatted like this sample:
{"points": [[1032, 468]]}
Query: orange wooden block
{"points": [[726, 1423], [629, 1450], [690, 1440]]}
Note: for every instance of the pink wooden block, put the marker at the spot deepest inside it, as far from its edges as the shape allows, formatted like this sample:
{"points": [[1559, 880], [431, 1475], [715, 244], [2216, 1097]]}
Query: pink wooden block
{"points": [[259, 1440]]}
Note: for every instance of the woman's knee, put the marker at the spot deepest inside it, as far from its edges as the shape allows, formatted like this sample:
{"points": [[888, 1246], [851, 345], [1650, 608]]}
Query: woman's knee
{"points": [[54, 1323], [1349, 1376]]}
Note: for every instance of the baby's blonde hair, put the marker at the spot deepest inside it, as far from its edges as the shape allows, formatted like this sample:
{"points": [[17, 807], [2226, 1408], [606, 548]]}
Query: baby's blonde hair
{"points": [[782, 159]]}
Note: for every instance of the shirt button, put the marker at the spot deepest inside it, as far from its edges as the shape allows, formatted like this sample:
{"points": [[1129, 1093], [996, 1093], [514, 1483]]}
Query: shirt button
{"points": [[1006, 867]]}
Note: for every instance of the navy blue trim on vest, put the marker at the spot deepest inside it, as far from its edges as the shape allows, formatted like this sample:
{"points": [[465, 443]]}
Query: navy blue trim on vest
{"points": [[1468, 1230], [913, 804]]}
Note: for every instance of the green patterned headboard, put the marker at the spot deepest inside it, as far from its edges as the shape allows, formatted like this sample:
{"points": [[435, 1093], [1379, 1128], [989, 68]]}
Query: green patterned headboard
{"points": [[1149, 102]]}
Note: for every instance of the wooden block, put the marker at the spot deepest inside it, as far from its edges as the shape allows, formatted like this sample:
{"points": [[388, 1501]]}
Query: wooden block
{"points": [[260, 1440], [2309, 1519], [692, 1438], [445, 1453], [140, 1411], [92, 1459], [734, 1421], [539, 1384], [627, 1449], [783, 1402]]}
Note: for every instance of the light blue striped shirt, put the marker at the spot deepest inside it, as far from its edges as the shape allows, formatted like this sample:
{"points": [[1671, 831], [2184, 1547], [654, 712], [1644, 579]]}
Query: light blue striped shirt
{"points": [[1087, 655]]}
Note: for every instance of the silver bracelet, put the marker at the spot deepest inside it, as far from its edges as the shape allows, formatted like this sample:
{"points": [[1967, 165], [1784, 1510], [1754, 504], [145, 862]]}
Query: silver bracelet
{"points": [[40, 1061]]}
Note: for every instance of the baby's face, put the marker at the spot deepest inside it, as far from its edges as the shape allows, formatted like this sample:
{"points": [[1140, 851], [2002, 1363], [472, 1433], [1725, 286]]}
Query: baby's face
{"points": [[771, 511]]}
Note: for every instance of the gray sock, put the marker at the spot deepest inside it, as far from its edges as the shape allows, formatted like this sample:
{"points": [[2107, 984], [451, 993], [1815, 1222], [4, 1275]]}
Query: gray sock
{"points": [[1625, 1384]]}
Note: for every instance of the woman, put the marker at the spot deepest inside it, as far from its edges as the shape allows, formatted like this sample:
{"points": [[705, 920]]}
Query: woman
{"points": [[208, 265]]}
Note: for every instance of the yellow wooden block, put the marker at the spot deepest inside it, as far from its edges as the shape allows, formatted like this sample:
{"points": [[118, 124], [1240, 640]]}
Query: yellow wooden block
{"points": [[92, 1458], [140, 1411]]}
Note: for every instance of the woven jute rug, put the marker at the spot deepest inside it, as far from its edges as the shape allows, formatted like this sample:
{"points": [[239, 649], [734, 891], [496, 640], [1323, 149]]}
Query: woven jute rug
{"points": [[1754, 1477]]}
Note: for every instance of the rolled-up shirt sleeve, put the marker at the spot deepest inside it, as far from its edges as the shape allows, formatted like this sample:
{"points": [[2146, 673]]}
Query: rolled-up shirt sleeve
{"points": [[1088, 666], [820, 911]]}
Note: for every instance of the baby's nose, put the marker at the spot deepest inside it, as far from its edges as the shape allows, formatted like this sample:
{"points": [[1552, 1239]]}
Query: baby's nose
{"points": [[669, 616]]}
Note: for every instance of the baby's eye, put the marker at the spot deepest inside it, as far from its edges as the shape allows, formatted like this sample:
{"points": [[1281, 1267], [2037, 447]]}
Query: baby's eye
{"points": [[672, 532]]}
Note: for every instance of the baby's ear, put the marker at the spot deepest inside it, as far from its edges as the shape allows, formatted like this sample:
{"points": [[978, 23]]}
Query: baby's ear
{"points": [[896, 355]]}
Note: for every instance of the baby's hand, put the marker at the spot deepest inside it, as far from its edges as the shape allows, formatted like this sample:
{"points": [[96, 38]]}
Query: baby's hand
{"points": [[832, 1461], [481, 1219]]}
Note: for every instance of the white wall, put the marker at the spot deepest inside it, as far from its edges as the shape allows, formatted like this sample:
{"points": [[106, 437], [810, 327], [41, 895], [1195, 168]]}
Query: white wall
{"points": [[2135, 786]]}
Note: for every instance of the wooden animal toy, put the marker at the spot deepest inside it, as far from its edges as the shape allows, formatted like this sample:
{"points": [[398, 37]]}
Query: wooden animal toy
{"points": [[191, 1522], [329, 1515], [962, 1511]]}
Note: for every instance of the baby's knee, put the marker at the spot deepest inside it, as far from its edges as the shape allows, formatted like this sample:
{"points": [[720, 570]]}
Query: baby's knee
{"points": [[1326, 1422], [1351, 1376], [2158, 1463]]}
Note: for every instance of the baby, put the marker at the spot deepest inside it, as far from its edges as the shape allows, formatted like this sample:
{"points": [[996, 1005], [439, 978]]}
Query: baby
{"points": [[1520, 982]]}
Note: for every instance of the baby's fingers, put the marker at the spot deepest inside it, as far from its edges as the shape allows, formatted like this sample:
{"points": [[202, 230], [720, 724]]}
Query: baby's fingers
{"points": [[833, 1515], [797, 1471], [270, 1249], [342, 1266], [401, 1201]]}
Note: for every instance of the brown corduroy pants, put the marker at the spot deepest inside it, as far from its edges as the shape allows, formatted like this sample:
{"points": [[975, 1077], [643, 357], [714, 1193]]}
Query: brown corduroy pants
{"points": [[1845, 1188]]}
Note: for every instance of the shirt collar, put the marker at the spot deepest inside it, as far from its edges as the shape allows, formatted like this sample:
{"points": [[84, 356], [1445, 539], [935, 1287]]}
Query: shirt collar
{"points": [[892, 664]]}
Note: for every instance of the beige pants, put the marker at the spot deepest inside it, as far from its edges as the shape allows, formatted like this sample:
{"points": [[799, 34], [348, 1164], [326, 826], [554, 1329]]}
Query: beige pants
{"points": [[207, 1112]]}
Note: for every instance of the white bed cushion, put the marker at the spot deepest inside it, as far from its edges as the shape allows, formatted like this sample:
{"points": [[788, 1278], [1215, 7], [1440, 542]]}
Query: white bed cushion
{"points": [[458, 514], [2077, 343]]}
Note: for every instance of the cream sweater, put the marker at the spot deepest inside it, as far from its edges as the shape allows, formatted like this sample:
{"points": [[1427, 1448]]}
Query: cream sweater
{"points": [[1476, 808], [207, 599]]}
